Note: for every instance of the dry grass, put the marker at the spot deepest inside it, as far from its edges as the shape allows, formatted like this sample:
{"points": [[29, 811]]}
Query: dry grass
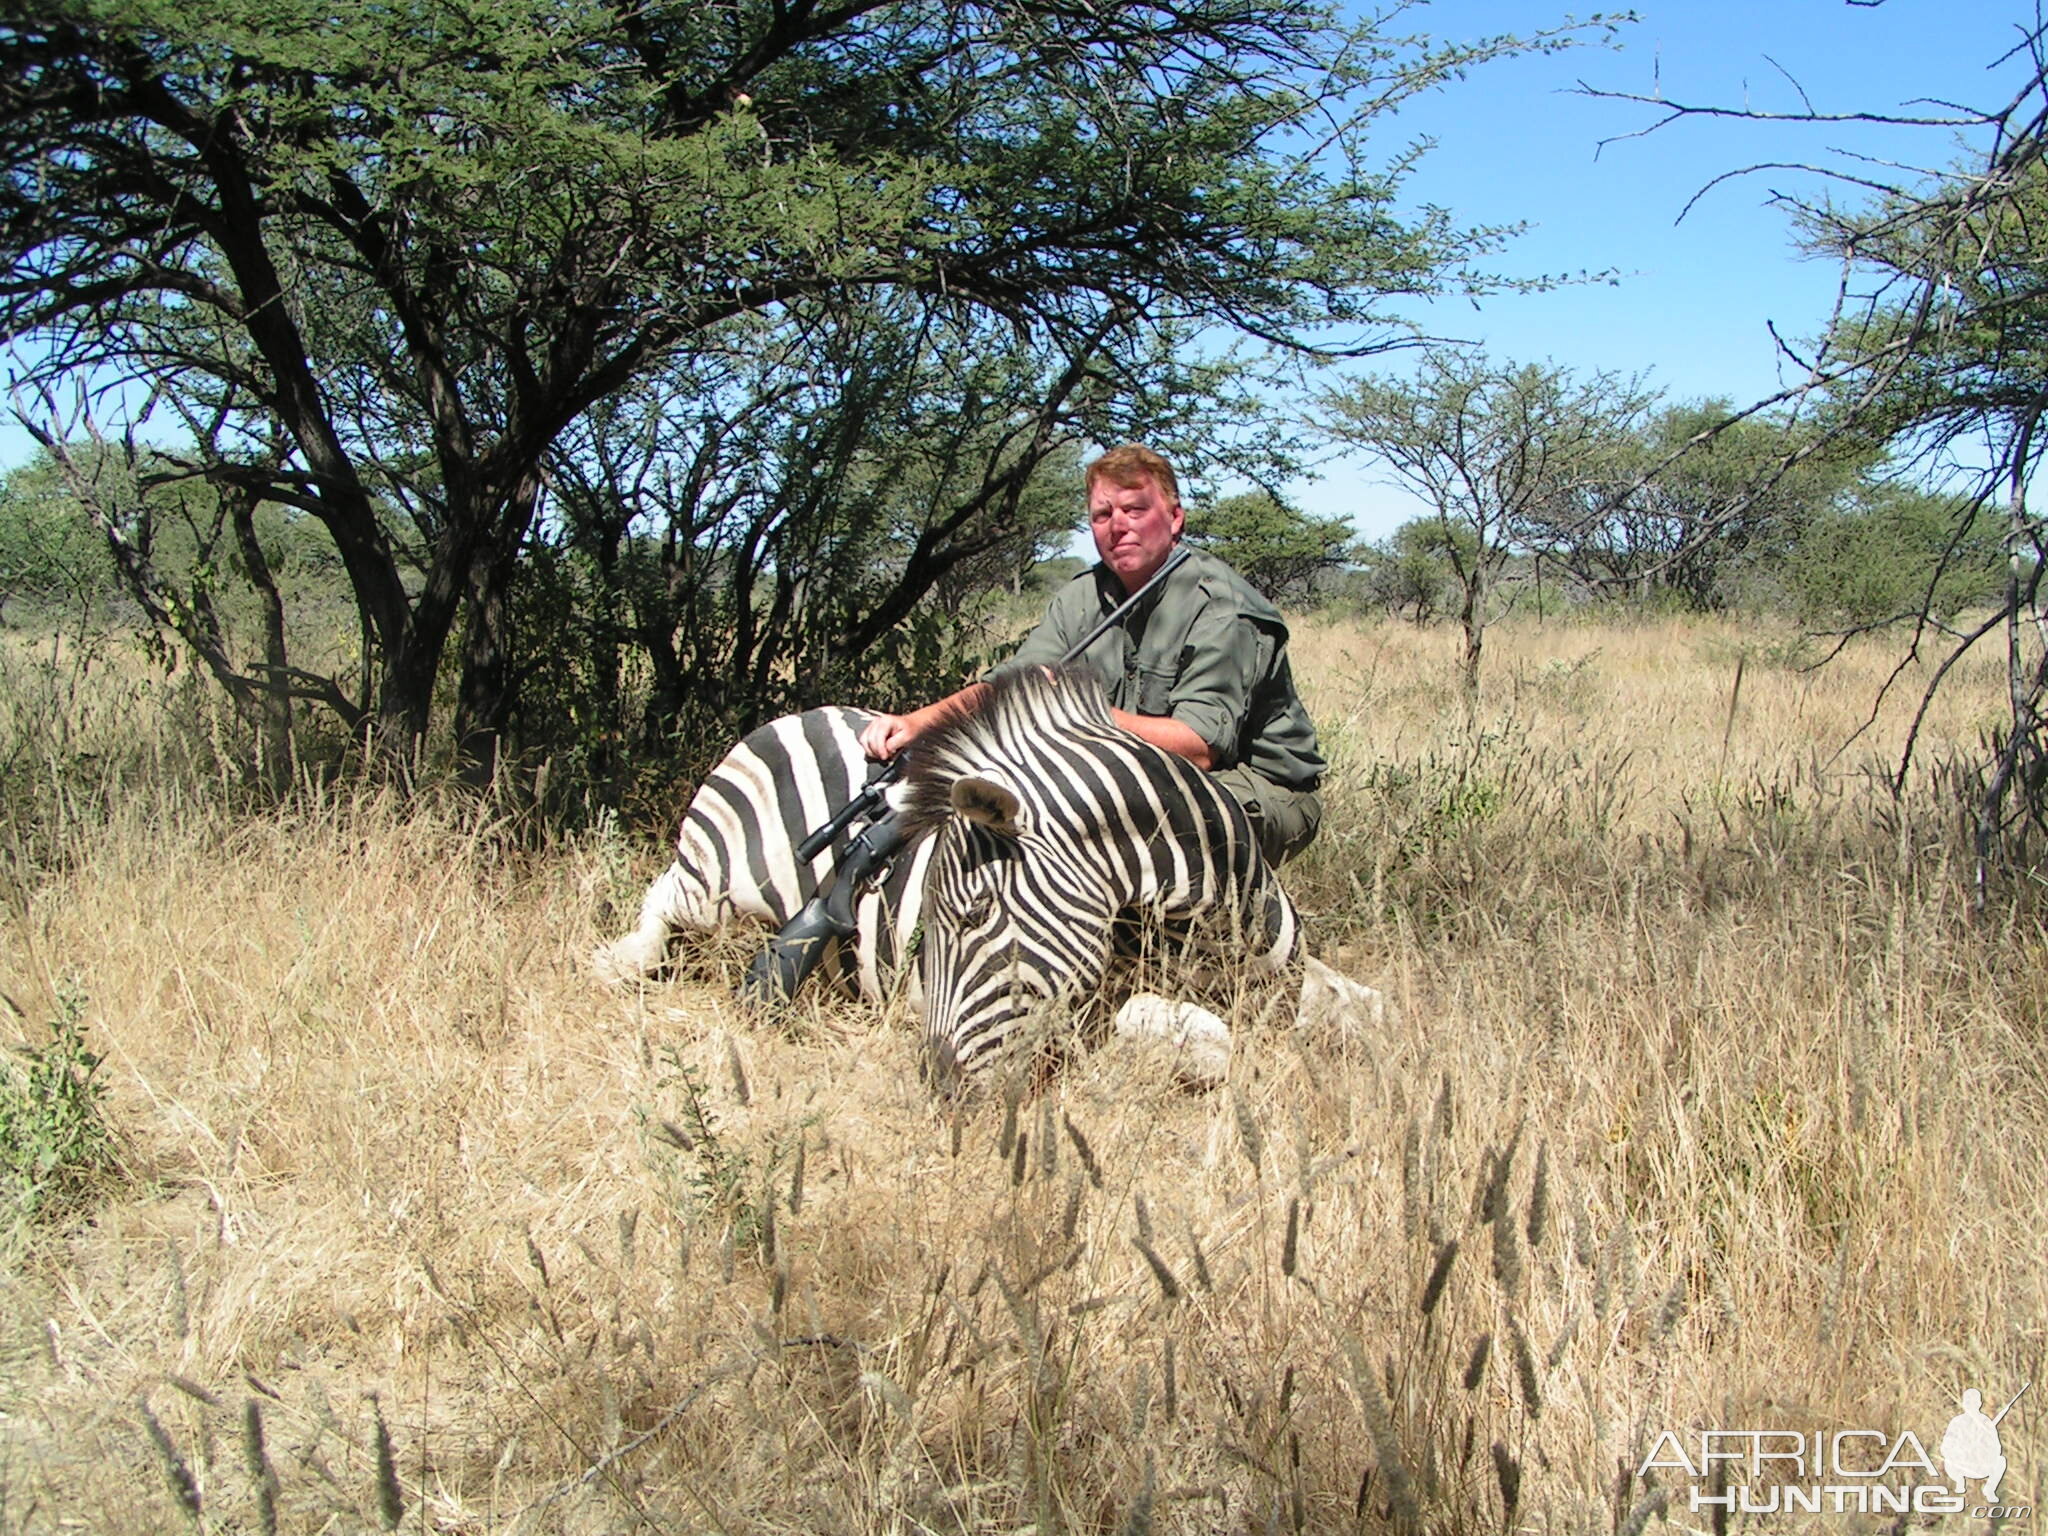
{"points": [[1703, 1105]]}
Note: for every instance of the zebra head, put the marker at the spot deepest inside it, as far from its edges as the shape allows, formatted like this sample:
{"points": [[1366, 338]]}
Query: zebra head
{"points": [[1049, 823]]}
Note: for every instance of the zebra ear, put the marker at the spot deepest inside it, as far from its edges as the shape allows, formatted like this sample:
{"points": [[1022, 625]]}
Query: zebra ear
{"points": [[988, 804]]}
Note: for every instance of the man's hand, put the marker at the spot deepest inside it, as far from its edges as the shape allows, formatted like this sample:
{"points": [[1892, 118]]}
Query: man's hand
{"points": [[886, 735]]}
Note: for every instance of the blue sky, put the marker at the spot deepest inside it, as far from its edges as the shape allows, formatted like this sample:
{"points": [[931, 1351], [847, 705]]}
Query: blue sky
{"points": [[1693, 300]]}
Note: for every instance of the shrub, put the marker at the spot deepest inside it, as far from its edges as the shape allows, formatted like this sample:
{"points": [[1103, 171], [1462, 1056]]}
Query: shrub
{"points": [[1894, 554], [55, 1145]]}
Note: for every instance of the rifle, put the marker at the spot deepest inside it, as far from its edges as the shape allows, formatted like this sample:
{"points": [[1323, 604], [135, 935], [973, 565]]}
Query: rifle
{"points": [[2008, 1407], [796, 949]]}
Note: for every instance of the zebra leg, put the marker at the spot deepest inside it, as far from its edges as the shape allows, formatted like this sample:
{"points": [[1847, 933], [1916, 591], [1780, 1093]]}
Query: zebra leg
{"points": [[671, 904], [1335, 1006], [1198, 1039], [1330, 1005]]}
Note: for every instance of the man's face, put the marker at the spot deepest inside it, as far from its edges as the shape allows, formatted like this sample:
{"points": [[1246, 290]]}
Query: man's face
{"points": [[1134, 527]]}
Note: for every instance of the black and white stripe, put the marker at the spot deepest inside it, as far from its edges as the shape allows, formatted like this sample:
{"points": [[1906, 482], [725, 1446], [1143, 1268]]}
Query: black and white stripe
{"points": [[736, 853], [1053, 836]]}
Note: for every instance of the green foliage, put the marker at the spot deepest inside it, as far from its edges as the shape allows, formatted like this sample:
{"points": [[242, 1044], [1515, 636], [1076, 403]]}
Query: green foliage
{"points": [[1955, 347], [199, 563], [1466, 804], [1048, 509], [727, 1189], [1279, 549], [836, 535], [387, 267], [1414, 570], [53, 556], [1895, 554], [1699, 503], [1447, 799], [55, 1144], [50, 555], [1048, 576]]}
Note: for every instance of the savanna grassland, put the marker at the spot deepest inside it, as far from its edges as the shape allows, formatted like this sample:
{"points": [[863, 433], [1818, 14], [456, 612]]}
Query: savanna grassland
{"points": [[1703, 1100]]}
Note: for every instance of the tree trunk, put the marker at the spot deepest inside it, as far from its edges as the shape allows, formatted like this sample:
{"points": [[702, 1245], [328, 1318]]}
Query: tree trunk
{"points": [[1472, 618], [405, 697], [486, 693], [2022, 754], [488, 690], [270, 706]]}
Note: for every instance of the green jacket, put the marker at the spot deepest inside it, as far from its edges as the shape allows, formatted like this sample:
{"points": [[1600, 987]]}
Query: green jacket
{"points": [[1206, 649]]}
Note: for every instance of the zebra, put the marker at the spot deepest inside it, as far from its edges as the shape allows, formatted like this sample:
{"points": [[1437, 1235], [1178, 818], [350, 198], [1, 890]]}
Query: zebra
{"points": [[1047, 849]]}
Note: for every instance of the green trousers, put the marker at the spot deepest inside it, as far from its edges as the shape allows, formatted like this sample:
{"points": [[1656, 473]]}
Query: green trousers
{"points": [[1286, 818]]}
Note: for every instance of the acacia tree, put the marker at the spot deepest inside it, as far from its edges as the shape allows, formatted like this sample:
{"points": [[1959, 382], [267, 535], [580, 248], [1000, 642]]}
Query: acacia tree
{"points": [[761, 531], [1863, 563], [1410, 571], [1956, 352], [49, 558], [1697, 500], [1510, 458], [1938, 349], [1277, 548], [386, 260]]}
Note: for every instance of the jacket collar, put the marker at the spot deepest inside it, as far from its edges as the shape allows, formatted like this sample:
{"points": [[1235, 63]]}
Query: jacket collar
{"points": [[1109, 588]]}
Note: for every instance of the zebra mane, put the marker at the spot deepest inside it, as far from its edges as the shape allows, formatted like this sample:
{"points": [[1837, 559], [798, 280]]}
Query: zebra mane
{"points": [[1027, 705]]}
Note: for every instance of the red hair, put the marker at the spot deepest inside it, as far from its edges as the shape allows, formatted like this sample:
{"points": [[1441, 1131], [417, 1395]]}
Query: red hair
{"points": [[1133, 465]]}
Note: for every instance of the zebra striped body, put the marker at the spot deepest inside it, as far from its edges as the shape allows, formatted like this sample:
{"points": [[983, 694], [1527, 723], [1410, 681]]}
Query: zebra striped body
{"points": [[736, 853], [1045, 840]]}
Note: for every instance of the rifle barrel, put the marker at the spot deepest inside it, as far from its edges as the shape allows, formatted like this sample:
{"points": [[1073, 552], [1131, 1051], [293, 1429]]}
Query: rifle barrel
{"points": [[868, 798], [2008, 1407]]}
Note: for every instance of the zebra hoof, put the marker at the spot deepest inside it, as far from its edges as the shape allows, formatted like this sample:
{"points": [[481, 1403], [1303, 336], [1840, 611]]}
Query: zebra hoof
{"points": [[1198, 1039], [1334, 1006], [625, 961]]}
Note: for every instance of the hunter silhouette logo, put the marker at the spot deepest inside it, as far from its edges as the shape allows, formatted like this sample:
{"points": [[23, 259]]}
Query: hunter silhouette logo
{"points": [[1970, 1451], [1846, 1471]]}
